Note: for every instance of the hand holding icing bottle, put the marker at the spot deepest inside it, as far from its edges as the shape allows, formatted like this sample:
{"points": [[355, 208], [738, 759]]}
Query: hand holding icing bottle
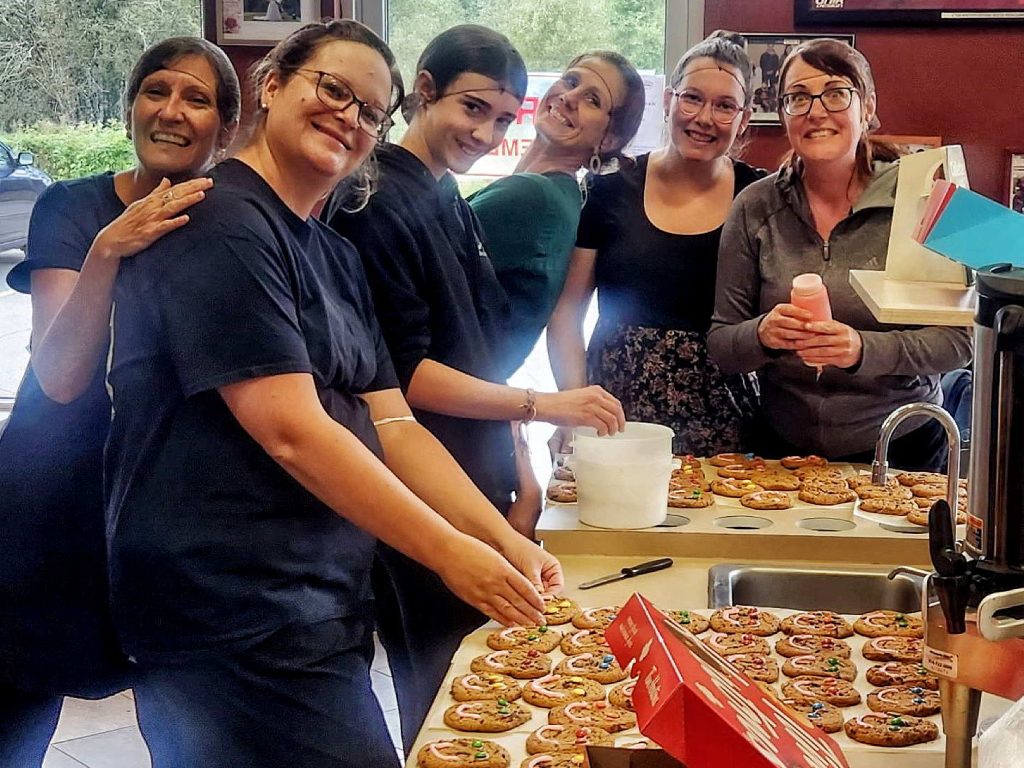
{"points": [[809, 293]]}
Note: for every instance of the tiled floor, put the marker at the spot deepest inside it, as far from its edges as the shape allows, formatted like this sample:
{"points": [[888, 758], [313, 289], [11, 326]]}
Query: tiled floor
{"points": [[103, 734]]}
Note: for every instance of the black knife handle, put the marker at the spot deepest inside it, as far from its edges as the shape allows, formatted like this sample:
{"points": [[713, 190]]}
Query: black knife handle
{"points": [[649, 567]]}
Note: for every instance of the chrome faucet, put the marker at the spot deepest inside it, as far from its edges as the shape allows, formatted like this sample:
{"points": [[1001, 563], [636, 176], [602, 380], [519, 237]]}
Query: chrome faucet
{"points": [[880, 466]]}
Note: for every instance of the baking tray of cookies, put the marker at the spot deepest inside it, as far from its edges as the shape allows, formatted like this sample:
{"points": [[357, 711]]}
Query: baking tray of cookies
{"points": [[917, 696]]}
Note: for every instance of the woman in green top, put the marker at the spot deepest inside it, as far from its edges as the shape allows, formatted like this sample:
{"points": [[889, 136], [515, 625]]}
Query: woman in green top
{"points": [[590, 113]]}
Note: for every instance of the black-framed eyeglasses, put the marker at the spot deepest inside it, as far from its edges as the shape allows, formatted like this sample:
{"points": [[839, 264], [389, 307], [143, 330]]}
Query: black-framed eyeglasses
{"points": [[836, 99], [334, 93], [723, 111]]}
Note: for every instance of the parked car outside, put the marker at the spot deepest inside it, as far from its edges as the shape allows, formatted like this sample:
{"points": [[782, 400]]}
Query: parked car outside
{"points": [[21, 184]]}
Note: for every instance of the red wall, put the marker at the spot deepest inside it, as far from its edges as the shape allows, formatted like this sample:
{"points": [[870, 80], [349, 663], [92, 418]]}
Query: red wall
{"points": [[965, 84]]}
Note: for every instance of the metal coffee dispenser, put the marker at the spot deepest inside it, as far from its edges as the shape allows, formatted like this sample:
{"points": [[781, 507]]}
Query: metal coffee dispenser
{"points": [[974, 601]]}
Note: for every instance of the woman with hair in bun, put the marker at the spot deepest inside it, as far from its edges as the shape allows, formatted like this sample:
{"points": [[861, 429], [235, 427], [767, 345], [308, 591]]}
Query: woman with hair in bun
{"points": [[444, 317], [181, 106], [260, 443], [826, 386], [648, 242]]}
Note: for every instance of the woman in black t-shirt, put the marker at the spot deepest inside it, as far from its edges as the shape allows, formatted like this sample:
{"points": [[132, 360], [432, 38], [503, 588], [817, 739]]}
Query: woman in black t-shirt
{"points": [[260, 442], [648, 242]]}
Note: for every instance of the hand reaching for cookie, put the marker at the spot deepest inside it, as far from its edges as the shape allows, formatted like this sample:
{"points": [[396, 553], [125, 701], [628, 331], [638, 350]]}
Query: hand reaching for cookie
{"points": [[830, 343], [537, 565]]}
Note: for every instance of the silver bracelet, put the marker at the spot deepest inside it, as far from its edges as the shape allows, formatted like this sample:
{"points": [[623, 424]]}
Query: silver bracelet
{"points": [[392, 420]]}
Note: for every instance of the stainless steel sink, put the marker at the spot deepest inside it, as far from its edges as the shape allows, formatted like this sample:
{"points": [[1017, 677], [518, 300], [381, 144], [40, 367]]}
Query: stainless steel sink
{"points": [[812, 589]]}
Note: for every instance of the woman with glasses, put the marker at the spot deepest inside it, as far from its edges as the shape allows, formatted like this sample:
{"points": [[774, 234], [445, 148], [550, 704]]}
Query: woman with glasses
{"points": [[444, 317], [826, 386], [648, 242], [181, 103], [260, 443]]}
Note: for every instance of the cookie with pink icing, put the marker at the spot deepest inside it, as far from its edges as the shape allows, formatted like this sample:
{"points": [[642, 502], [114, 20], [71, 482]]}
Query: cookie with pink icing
{"points": [[596, 618], [801, 645], [486, 687], [890, 730], [554, 760], [553, 690], [742, 619], [820, 665], [599, 714], [520, 663], [544, 639], [889, 648], [486, 716], [622, 695], [817, 623], [889, 623], [727, 644], [819, 714], [462, 753], [558, 610], [838, 693], [567, 738], [905, 700], [690, 620], [902, 673], [755, 666], [584, 641], [596, 666]]}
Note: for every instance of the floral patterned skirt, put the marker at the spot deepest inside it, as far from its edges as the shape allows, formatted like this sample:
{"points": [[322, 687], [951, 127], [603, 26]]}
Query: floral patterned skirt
{"points": [[665, 376]]}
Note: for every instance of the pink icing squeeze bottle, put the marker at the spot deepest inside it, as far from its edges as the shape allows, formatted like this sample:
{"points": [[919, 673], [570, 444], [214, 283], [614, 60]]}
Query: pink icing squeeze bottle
{"points": [[809, 293]]}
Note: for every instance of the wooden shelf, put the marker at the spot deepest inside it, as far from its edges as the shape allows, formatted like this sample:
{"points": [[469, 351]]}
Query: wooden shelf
{"points": [[914, 303]]}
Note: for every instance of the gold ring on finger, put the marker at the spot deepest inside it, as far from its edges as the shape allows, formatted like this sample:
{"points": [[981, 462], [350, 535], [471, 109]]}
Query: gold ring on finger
{"points": [[168, 197]]}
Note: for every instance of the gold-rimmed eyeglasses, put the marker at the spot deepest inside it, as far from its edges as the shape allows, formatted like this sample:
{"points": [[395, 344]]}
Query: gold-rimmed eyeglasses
{"points": [[723, 111]]}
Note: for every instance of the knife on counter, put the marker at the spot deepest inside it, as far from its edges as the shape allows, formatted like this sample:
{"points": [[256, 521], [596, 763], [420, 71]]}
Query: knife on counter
{"points": [[627, 573]]}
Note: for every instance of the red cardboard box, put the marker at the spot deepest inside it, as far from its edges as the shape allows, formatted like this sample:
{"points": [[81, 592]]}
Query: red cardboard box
{"points": [[702, 711]]}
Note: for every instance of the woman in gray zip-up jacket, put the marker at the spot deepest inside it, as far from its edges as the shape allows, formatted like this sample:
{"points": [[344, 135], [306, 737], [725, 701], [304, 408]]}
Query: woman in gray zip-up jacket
{"points": [[826, 387]]}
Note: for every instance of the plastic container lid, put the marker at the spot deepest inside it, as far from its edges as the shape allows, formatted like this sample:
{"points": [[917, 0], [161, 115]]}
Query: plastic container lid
{"points": [[807, 284]]}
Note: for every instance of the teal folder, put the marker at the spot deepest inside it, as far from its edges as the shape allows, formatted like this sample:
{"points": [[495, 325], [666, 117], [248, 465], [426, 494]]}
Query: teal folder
{"points": [[978, 232]]}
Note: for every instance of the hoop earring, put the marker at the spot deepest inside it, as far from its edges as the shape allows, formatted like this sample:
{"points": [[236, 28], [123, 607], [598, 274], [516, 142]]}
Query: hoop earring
{"points": [[594, 166]]}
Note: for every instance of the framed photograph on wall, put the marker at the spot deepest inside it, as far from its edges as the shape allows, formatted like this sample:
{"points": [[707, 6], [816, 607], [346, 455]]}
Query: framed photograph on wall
{"points": [[767, 51], [1015, 179], [909, 145], [908, 12], [266, 22]]}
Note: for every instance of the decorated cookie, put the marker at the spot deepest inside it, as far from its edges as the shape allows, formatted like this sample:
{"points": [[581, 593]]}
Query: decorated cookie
{"points": [[894, 507], [885, 730], [820, 714], [820, 665], [584, 641], [920, 516], [689, 460], [810, 474], [688, 480], [744, 619], [776, 480], [544, 639], [593, 713], [486, 687], [801, 645], [554, 760], [462, 753], [689, 619], [893, 649], [893, 491], [596, 618], [817, 623], [633, 741], [486, 716], [905, 700], [690, 498], [889, 623], [755, 666], [622, 695], [725, 459], [727, 644], [734, 488], [766, 500], [911, 479], [802, 462], [566, 738], [739, 471], [519, 663], [559, 610], [838, 693], [901, 673], [600, 667], [826, 494], [562, 491], [553, 690]]}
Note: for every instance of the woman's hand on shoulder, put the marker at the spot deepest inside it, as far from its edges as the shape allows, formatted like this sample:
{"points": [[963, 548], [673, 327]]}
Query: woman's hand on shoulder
{"points": [[149, 218], [784, 326], [582, 407], [831, 343]]}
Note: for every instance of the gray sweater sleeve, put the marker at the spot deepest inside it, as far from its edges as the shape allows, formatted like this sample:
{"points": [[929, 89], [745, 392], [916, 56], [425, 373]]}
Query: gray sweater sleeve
{"points": [[732, 340], [922, 351]]}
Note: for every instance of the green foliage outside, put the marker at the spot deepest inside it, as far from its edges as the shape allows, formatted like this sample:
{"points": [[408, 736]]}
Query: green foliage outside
{"points": [[69, 152]]}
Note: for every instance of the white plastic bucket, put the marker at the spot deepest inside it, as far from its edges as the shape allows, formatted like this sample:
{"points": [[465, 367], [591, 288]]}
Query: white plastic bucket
{"points": [[622, 480]]}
